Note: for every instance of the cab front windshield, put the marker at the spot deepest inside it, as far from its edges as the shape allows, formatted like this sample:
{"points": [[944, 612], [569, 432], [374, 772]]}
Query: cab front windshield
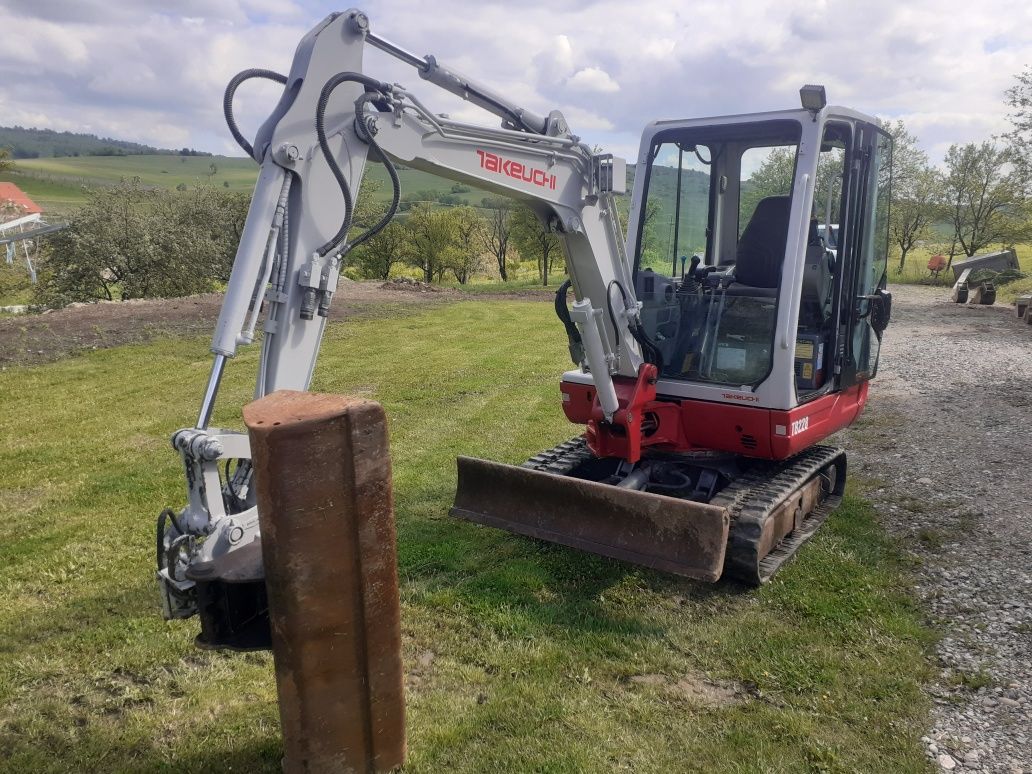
{"points": [[717, 199]]}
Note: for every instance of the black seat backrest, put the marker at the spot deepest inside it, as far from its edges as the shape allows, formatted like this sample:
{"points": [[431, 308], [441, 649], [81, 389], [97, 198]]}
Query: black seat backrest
{"points": [[761, 248]]}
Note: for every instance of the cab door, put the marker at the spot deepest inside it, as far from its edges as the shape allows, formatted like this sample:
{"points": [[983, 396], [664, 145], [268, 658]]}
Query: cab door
{"points": [[865, 301]]}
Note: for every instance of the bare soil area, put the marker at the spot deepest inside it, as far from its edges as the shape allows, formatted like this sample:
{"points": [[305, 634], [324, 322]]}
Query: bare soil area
{"points": [[943, 452], [41, 338]]}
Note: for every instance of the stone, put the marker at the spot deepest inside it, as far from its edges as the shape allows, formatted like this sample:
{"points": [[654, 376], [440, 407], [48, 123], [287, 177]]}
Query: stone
{"points": [[946, 762]]}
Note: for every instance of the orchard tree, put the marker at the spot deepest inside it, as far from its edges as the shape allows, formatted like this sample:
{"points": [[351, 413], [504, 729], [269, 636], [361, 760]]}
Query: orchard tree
{"points": [[533, 240], [915, 192], [469, 239], [375, 257], [431, 240], [498, 233], [130, 241], [983, 197]]}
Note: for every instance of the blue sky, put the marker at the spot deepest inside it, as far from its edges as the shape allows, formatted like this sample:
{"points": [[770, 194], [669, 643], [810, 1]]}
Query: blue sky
{"points": [[154, 71]]}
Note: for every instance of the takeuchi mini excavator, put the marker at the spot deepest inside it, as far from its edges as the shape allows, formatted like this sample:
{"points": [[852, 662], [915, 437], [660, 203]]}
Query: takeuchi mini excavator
{"points": [[716, 340]]}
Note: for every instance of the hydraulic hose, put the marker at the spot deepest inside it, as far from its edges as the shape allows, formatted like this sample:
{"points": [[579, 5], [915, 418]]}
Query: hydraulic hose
{"points": [[563, 312], [320, 130], [648, 348], [227, 101], [365, 127]]}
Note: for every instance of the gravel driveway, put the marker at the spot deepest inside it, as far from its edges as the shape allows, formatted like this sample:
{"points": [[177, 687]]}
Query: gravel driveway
{"points": [[945, 452]]}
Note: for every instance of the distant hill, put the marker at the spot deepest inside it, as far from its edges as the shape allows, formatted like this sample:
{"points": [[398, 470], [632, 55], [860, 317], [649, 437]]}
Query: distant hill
{"points": [[27, 143]]}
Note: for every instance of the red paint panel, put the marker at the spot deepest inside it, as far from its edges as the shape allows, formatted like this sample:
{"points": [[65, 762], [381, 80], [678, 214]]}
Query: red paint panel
{"points": [[731, 427], [811, 423], [726, 427], [578, 400]]}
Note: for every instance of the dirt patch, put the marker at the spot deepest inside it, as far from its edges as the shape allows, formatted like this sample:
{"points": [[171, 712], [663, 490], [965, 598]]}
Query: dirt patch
{"points": [[693, 689], [410, 285], [41, 338]]}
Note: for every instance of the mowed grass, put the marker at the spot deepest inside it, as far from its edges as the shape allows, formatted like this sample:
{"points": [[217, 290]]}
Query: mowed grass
{"points": [[519, 655]]}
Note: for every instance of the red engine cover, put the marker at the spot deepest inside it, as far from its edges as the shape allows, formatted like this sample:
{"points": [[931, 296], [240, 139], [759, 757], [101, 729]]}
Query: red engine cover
{"points": [[680, 424]]}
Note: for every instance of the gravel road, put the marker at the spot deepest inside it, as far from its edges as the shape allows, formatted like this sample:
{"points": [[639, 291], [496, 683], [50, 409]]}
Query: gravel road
{"points": [[944, 449]]}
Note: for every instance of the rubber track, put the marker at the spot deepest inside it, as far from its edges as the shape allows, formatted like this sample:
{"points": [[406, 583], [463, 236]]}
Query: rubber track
{"points": [[750, 498]]}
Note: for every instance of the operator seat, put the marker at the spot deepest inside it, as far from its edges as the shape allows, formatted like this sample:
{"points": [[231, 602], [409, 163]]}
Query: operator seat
{"points": [[761, 249]]}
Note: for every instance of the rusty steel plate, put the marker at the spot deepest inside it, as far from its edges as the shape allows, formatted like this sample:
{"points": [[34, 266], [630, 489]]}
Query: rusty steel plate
{"points": [[665, 533]]}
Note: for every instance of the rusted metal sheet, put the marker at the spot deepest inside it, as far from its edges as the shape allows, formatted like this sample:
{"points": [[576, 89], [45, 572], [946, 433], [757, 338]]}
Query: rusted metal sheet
{"points": [[323, 474], [667, 533]]}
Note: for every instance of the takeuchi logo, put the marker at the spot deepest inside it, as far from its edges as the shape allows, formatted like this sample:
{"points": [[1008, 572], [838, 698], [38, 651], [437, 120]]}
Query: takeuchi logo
{"points": [[495, 163]]}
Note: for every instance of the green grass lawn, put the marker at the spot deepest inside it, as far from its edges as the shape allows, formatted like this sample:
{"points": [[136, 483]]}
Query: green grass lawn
{"points": [[519, 655]]}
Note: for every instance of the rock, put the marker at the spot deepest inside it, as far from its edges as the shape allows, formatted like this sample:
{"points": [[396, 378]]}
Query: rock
{"points": [[946, 762], [925, 480]]}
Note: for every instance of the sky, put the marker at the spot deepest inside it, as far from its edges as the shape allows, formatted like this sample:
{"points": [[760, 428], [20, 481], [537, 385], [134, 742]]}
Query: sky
{"points": [[153, 71]]}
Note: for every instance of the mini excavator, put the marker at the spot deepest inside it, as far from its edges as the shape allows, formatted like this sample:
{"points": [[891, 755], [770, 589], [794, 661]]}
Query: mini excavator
{"points": [[716, 341]]}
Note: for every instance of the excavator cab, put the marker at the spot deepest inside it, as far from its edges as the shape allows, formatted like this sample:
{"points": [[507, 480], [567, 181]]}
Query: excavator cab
{"points": [[729, 261]]}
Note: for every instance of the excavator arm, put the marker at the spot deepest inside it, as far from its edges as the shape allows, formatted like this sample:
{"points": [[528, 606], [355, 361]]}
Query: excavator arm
{"points": [[312, 150]]}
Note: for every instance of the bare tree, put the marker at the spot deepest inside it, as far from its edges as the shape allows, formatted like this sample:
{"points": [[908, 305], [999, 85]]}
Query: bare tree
{"points": [[499, 232]]}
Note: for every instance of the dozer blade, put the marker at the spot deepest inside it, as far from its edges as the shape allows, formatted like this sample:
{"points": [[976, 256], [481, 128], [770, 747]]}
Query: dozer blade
{"points": [[666, 533]]}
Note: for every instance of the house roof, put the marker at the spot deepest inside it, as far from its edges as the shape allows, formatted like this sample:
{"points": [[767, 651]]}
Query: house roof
{"points": [[11, 192]]}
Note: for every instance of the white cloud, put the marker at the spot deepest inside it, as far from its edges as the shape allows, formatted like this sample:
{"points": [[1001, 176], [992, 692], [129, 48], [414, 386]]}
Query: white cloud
{"points": [[593, 79], [155, 71]]}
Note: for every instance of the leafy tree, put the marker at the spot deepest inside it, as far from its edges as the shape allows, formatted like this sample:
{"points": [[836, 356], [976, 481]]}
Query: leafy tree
{"points": [[498, 233], [983, 196], [469, 236], [915, 192], [772, 178], [378, 255], [431, 240], [5, 160], [1019, 97], [533, 240], [130, 241]]}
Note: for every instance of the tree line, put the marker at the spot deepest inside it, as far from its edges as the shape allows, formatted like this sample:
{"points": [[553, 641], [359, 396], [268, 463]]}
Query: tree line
{"points": [[980, 197], [134, 241], [458, 242]]}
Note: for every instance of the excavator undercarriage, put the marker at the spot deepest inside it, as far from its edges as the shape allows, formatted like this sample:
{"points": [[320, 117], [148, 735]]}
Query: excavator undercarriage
{"points": [[703, 516]]}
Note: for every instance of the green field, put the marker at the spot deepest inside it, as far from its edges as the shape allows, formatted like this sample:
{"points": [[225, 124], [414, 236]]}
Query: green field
{"points": [[59, 184], [519, 656], [916, 271]]}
